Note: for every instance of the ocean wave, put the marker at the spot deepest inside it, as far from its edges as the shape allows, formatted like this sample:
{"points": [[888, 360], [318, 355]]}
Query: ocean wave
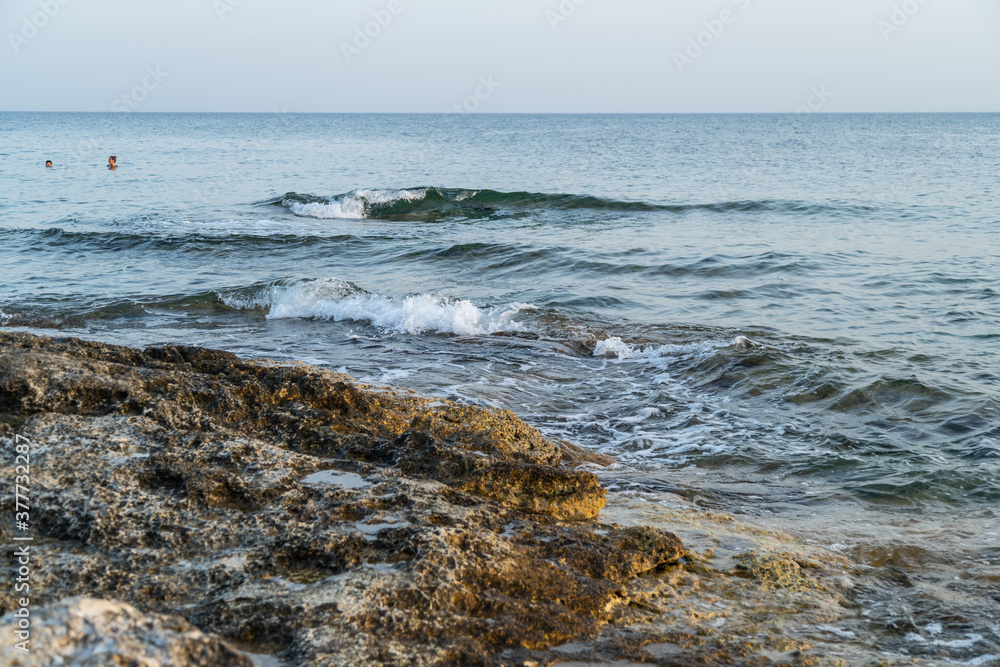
{"points": [[339, 300], [430, 203], [358, 204], [227, 236], [909, 394]]}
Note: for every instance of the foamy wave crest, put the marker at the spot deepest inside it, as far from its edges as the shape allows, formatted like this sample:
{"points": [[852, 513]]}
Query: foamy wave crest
{"points": [[354, 205], [616, 347], [339, 300]]}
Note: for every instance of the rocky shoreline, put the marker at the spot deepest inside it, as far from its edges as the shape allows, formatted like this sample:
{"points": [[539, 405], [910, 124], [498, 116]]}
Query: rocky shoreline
{"points": [[193, 508]]}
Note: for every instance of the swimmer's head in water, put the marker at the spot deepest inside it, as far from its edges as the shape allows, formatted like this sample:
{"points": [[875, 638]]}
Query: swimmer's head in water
{"points": [[48, 163], [113, 162]]}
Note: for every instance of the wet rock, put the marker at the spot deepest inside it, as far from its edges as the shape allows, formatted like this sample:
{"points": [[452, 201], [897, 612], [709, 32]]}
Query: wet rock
{"points": [[183, 481], [773, 571], [85, 631]]}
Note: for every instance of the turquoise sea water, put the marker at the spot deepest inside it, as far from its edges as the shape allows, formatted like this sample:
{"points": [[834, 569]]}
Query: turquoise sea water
{"points": [[791, 317]]}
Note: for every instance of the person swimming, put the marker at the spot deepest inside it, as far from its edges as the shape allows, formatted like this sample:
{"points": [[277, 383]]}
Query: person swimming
{"points": [[48, 163], [113, 162]]}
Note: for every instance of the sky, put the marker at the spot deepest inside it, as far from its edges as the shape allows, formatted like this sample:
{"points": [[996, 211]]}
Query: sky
{"points": [[500, 56]]}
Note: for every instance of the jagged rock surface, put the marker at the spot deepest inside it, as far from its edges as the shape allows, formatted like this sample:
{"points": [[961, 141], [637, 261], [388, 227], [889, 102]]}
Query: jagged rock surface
{"points": [[185, 481], [98, 633]]}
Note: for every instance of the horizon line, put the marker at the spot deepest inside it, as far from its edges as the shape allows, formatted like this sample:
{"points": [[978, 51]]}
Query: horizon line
{"points": [[514, 113]]}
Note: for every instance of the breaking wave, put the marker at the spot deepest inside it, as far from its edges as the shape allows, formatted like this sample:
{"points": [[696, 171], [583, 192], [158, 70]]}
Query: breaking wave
{"points": [[430, 203], [339, 300], [353, 205]]}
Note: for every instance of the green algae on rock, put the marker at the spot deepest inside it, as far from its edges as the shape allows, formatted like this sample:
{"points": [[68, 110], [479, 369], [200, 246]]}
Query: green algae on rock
{"points": [[174, 480], [310, 411]]}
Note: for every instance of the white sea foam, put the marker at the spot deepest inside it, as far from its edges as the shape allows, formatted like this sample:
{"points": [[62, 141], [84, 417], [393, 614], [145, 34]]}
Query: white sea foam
{"points": [[833, 630], [641, 416], [338, 300], [980, 661], [616, 347], [354, 205], [410, 314], [744, 343], [969, 641]]}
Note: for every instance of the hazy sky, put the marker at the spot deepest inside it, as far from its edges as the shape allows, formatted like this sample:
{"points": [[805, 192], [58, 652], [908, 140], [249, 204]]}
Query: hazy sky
{"points": [[500, 55]]}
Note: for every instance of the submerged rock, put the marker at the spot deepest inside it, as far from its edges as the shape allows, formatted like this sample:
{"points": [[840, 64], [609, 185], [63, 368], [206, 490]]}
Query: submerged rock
{"points": [[183, 481], [772, 571]]}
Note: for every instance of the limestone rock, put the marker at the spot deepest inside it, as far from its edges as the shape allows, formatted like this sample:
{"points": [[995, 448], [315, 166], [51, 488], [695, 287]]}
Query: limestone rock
{"points": [[98, 633], [293, 511]]}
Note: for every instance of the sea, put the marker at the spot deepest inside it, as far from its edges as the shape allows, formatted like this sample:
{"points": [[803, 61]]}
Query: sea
{"points": [[793, 319]]}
